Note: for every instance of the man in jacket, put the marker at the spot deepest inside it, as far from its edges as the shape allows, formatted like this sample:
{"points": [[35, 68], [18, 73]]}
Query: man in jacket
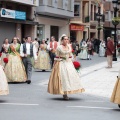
{"points": [[109, 52]]}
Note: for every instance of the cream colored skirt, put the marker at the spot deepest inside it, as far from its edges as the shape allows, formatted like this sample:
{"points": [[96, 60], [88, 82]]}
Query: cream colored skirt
{"points": [[43, 61], [15, 70], [64, 79], [4, 90], [115, 98]]}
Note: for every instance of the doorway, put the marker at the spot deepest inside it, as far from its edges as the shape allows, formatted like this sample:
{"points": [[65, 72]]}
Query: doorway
{"points": [[54, 31], [84, 35], [92, 35], [73, 36]]}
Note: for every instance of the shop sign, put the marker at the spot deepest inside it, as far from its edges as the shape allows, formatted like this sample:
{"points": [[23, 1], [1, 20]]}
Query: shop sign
{"points": [[6, 13], [76, 27]]}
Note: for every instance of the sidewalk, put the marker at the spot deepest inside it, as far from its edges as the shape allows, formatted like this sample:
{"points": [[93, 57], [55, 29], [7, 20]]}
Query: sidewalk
{"points": [[98, 80]]}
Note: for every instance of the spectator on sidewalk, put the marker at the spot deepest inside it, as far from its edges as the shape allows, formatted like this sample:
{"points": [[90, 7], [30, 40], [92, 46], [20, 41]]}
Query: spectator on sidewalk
{"points": [[109, 52]]}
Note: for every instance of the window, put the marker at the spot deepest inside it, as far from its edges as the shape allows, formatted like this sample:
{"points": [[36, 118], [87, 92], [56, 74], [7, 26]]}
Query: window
{"points": [[106, 16], [77, 9]]}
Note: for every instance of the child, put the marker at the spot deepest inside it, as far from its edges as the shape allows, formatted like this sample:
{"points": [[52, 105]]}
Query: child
{"points": [[4, 90]]}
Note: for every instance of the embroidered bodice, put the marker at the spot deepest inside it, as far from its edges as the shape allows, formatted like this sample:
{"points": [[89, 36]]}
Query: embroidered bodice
{"points": [[17, 49], [43, 47], [63, 54], [5, 47]]}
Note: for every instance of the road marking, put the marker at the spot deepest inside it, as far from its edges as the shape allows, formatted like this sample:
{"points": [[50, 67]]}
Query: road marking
{"points": [[90, 107], [19, 104], [95, 101]]}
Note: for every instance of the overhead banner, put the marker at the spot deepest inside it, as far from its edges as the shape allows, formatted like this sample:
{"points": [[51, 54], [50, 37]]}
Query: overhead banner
{"points": [[6, 13]]}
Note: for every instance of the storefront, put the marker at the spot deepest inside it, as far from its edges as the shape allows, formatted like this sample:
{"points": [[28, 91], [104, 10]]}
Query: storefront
{"points": [[49, 26], [76, 32], [7, 30], [14, 23]]}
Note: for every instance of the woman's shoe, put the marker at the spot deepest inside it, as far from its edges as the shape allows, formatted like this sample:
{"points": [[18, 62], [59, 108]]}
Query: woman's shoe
{"points": [[65, 97]]}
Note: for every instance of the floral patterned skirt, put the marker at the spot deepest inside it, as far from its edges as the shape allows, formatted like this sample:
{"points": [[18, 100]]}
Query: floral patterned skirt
{"points": [[115, 98], [15, 70], [43, 61], [64, 79], [4, 90]]}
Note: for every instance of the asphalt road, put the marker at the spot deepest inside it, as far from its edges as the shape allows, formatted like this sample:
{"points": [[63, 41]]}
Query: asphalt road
{"points": [[32, 102]]}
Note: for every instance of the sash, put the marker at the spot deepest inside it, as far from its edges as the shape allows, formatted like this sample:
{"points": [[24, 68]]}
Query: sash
{"points": [[14, 51]]}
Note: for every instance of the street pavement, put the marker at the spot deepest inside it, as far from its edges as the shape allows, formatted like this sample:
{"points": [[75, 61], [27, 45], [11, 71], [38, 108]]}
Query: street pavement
{"points": [[32, 102]]}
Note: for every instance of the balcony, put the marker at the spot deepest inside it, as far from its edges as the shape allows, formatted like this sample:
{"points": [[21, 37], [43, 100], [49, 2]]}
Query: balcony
{"points": [[56, 8], [27, 2]]}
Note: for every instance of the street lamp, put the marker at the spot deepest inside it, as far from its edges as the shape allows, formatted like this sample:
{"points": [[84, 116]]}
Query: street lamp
{"points": [[115, 23], [99, 17], [88, 31]]}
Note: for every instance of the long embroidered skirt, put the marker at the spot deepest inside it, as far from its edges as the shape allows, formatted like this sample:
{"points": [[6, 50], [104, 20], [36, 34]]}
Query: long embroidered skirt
{"points": [[43, 61], [115, 98], [4, 90], [15, 70], [64, 79]]}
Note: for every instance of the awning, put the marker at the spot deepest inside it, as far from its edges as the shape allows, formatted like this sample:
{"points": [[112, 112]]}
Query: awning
{"points": [[18, 21]]}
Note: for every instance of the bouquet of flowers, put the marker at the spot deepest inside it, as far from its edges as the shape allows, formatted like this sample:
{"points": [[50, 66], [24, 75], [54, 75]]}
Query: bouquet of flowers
{"points": [[73, 51], [77, 65], [5, 60]]}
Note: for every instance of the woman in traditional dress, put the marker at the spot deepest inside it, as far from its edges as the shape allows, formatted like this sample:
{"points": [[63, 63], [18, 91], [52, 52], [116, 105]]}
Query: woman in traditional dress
{"points": [[43, 60], [4, 90], [115, 98], [83, 54], [64, 78], [102, 49], [4, 50], [35, 42], [14, 69]]}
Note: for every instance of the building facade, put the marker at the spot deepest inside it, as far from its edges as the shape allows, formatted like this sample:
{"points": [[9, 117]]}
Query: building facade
{"points": [[109, 15], [54, 17], [84, 24], [17, 18]]}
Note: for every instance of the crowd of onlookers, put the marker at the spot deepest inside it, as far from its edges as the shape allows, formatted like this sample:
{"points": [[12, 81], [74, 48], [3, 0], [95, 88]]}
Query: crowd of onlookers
{"points": [[86, 48]]}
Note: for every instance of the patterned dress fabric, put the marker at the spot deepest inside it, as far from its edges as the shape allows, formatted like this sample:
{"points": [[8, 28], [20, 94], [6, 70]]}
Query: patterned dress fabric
{"points": [[115, 98], [83, 54], [4, 53], [4, 90], [64, 78], [43, 60], [14, 69], [102, 50]]}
